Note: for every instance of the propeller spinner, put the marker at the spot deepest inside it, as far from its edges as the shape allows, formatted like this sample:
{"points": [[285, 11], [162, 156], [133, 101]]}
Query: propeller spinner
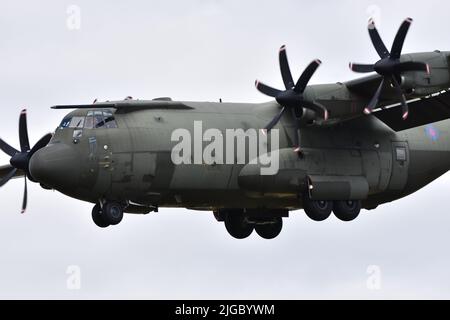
{"points": [[389, 66], [292, 97], [20, 159]]}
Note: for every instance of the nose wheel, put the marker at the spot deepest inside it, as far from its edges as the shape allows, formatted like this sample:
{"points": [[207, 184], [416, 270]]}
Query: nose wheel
{"points": [[110, 214], [98, 218]]}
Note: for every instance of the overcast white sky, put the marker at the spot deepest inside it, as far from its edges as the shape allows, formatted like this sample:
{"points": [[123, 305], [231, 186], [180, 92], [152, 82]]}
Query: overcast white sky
{"points": [[204, 50]]}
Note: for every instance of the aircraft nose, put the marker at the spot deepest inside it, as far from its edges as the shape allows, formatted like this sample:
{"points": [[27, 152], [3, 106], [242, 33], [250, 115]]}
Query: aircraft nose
{"points": [[55, 166]]}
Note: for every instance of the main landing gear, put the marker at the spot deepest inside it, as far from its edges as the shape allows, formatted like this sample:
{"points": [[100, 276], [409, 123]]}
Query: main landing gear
{"points": [[240, 223], [110, 214], [320, 210]]}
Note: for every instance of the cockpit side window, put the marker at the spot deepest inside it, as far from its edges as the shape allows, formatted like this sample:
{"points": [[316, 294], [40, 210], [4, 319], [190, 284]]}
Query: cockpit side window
{"points": [[93, 120], [110, 121], [98, 119], [89, 122], [77, 122], [65, 123]]}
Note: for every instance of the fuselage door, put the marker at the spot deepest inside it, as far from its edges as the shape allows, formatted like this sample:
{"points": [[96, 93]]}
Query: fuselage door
{"points": [[100, 150], [400, 165]]}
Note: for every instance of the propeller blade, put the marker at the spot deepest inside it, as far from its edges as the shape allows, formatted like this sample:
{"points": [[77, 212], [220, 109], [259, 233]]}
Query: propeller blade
{"points": [[361, 68], [306, 76], [23, 132], [6, 148], [269, 91], [275, 120], [285, 70], [399, 40], [374, 101], [376, 40], [41, 143], [414, 66], [296, 133], [405, 108], [25, 197], [317, 108], [8, 177]]}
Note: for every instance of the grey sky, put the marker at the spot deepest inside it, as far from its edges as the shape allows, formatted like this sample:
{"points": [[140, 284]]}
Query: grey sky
{"points": [[204, 50]]}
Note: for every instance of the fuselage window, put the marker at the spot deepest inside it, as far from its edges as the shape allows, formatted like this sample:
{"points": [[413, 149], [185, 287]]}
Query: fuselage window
{"points": [[93, 120], [98, 119], [77, 122], [110, 122], [65, 123], [400, 154], [89, 122]]}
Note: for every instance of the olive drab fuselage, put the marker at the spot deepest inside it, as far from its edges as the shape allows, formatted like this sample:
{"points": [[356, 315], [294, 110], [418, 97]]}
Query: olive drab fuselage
{"points": [[349, 156], [132, 162]]}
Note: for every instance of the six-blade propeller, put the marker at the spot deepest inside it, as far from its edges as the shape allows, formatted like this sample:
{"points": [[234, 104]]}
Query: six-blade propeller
{"points": [[292, 98], [20, 159], [389, 66]]}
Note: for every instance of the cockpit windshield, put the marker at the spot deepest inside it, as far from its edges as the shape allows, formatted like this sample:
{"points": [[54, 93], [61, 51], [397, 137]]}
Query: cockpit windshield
{"points": [[93, 120]]}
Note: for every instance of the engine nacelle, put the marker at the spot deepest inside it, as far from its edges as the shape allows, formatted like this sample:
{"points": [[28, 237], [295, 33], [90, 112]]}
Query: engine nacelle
{"points": [[422, 83], [306, 116]]}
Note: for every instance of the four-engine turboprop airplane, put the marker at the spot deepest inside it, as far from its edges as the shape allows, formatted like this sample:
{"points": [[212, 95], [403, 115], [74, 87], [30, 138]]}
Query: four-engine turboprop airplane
{"points": [[341, 147]]}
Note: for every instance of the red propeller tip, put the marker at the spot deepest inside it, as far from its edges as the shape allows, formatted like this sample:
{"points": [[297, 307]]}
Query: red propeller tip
{"points": [[428, 69], [409, 20], [24, 111], [367, 111], [256, 83], [405, 115], [325, 116], [283, 47], [318, 61], [297, 149]]}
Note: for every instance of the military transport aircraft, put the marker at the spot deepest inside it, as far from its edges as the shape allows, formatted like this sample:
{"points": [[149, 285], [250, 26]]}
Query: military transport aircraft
{"points": [[342, 147]]}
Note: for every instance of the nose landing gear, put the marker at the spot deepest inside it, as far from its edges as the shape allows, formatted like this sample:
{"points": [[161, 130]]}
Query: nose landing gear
{"points": [[111, 213]]}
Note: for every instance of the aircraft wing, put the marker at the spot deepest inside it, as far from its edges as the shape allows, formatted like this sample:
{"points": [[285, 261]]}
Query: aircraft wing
{"points": [[4, 170], [421, 112], [129, 105], [366, 87]]}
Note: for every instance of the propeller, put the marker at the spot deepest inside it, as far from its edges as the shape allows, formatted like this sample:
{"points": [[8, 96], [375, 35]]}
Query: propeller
{"points": [[292, 98], [20, 159], [389, 66]]}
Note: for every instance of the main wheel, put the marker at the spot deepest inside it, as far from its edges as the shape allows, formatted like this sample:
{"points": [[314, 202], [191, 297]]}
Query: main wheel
{"points": [[347, 210], [270, 230], [317, 210], [98, 218], [112, 213], [238, 226]]}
